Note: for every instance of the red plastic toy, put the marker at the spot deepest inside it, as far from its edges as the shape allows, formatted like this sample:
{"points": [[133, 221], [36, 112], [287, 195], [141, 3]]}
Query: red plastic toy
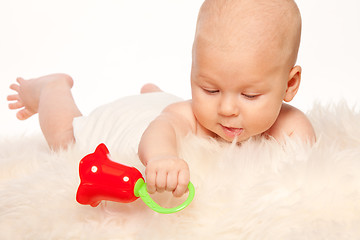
{"points": [[104, 179]]}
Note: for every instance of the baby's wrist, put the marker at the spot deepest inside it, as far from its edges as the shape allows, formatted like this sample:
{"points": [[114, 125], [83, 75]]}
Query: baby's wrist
{"points": [[163, 157]]}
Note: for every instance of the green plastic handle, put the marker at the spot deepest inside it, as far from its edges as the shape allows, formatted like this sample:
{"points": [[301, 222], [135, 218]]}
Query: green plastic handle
{"points": [[140, 191]]}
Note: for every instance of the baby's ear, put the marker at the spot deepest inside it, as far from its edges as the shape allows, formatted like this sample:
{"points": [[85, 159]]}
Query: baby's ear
{"points": [[293, 83]]}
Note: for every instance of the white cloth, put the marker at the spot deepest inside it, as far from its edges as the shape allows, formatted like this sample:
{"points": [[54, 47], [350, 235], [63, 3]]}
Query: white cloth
{"points": [[120, 124]]}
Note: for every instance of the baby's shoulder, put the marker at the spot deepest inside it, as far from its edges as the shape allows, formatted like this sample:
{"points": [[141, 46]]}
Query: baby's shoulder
{"points": [[182, 108], [181, 113], [292, 122]]}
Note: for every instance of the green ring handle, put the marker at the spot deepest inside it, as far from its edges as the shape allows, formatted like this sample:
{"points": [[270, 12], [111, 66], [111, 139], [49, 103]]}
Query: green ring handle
{"points": [[140, 191]]}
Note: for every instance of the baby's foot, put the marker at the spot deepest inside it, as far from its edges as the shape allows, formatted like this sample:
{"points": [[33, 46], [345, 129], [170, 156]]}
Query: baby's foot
{"points": [[149, 87], [29, 91]]}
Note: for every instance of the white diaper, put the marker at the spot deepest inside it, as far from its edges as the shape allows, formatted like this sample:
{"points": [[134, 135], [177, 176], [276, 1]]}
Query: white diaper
{"points": [[120, 124]]}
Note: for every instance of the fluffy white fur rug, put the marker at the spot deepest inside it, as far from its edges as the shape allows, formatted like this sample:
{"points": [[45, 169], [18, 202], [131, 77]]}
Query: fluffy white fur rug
{"points": [[259, 190]]}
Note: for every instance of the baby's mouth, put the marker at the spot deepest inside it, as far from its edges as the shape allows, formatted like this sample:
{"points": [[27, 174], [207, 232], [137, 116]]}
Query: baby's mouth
{"points": [[232, 132]]}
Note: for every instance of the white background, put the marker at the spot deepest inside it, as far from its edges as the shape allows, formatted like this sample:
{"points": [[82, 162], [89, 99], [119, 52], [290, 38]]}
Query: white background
{"points": [[112, 47]]}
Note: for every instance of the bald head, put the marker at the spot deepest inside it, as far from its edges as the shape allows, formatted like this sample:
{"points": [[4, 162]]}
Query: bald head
{"points": [[263, 28]]}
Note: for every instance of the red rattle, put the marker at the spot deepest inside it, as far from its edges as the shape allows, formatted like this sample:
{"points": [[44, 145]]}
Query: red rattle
{"points": [[104, 179]]}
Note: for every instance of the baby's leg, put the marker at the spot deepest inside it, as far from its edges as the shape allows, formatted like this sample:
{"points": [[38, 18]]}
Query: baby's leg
{"points": [[51, 97]]}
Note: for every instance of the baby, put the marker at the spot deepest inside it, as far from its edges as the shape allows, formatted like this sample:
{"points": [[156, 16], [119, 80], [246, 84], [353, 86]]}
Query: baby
{"points": [[243, 69]]}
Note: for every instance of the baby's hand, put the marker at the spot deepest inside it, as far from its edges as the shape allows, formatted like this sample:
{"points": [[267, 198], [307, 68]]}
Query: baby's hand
{"points": [[169, 173]]}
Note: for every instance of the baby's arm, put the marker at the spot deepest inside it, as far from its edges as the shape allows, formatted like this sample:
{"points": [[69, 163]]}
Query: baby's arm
{"points": [[158, 151]]}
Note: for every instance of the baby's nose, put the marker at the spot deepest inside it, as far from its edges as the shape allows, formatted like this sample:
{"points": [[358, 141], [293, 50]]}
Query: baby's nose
{"points": [[229, 106]]}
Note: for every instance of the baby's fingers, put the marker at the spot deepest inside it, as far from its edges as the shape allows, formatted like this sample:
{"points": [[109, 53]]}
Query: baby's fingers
{"points": [[150, 182], [183, 182], [161, 181], [172, 181]]}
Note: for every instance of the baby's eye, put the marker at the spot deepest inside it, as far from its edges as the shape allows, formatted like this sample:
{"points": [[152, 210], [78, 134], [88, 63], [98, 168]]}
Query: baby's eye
{"points": [[250, 96], [210, 91]]}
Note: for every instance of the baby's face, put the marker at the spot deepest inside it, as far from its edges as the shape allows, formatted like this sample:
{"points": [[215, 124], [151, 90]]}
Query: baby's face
{"points": [[236, 93]]}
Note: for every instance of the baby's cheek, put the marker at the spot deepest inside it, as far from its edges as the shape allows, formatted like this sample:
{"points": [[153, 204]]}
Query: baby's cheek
{"points": [[264, 121], [201, 110]]}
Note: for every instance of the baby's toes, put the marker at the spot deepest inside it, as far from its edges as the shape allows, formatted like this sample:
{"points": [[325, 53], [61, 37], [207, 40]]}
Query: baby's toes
{"points": [[20, 80], [14, 97], [16, 105], [15, 87], [24, 114]]}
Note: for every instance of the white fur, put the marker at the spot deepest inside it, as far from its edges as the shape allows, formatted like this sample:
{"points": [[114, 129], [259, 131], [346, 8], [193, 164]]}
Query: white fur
{"points": [[259, 190]]}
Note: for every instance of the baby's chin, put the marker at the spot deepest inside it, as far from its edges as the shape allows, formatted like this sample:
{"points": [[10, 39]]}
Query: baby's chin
{"points": [[236, 139]]}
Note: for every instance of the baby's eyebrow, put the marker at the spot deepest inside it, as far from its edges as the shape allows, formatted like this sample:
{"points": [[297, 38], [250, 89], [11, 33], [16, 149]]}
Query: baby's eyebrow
{"points": [[200, 75], [206, 78]]}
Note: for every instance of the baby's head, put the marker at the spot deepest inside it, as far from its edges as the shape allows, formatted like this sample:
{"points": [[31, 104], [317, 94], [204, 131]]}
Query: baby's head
{"points": [[243, 65]]}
